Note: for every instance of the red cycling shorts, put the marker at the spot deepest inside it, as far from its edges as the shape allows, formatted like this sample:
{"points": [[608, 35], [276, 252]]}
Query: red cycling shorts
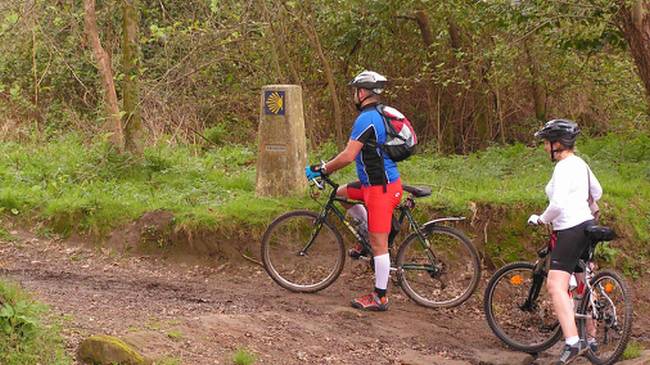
{"points": [[379, 202]]}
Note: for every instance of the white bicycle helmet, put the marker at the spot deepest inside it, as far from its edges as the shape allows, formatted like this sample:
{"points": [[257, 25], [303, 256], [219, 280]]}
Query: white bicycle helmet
{"points": [[369, 80]]}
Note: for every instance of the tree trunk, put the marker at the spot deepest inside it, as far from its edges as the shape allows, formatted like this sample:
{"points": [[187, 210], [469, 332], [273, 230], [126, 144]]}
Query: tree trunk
{"points": [[329, 74], [31, 10], [284, 51], [275, 57], [456, 131], [133, 133], [499, 107], [537, 88], [34, 64], [114, 123], [438, 123], [422, 19], [456, 43], [634, 22]]}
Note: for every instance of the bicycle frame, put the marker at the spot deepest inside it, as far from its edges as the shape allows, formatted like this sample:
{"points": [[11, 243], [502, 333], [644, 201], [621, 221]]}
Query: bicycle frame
{"points": [[589, 293], [405, 213], [540, 273]]}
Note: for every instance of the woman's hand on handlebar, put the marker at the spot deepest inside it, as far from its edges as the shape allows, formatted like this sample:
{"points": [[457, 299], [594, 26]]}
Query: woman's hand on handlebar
{"points": [[535, 220]]}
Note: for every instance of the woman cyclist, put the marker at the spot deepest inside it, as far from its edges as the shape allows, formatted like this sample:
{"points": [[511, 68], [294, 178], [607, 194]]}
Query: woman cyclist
{"points": [[573, 188]]}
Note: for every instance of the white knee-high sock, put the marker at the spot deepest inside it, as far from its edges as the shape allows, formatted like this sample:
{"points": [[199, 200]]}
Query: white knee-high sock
{"points": [[572, 340], [382, 270]]}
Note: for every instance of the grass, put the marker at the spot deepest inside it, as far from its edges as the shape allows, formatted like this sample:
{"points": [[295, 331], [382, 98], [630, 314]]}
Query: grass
{"points": [[6, 235], [25, 337], [89, 188], [154, 325], [243, 357], [92, 189], [633, 350], [168, 361], [175, 335]]}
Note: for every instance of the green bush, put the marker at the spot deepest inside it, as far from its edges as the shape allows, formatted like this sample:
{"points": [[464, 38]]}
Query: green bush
{"points": [[24, 338], [606, 252], [217, 134]]}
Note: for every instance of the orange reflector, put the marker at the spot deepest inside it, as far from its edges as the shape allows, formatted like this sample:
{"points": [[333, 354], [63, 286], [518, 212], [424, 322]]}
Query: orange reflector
{"points": [[516, 280], [609, 287]]}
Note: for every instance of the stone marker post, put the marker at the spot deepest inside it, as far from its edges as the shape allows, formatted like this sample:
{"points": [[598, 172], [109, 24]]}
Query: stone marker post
{"points": [[282, 151]]}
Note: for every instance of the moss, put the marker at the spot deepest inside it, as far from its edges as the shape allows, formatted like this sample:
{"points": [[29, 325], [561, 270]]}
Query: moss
{"points": [[243, 356], [175, 335], [108, 350], [633, 350]]}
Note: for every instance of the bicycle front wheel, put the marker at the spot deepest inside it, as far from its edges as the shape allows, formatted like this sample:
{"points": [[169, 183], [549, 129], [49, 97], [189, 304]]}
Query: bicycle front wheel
{"points": [[519, 309], [610, 321], [445, 274], [301, 254]]}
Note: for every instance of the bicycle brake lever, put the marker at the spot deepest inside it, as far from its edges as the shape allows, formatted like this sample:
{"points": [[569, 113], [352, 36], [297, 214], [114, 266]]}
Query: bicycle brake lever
{"points": [[319, 185]]}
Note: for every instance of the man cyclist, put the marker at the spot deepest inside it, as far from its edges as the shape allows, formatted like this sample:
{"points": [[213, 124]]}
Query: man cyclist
{"points": [[570, 191], [379, 185]]}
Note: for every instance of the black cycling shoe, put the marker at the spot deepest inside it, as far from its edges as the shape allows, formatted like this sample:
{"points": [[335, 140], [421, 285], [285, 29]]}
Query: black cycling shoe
{"points": [[593, 345], [358, 251], [571, 353]]}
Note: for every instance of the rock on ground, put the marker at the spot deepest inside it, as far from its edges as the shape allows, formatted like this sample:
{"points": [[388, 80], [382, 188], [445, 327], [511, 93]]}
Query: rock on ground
{"points": [[108, 350], [501, 357], [411, 357]]}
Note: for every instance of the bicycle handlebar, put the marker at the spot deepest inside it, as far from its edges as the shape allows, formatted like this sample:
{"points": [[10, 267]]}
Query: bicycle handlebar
{"points": [[324, 178]]}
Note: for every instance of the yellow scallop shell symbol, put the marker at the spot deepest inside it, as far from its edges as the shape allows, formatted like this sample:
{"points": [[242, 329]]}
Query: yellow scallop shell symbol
{"points": [[274, 102]]}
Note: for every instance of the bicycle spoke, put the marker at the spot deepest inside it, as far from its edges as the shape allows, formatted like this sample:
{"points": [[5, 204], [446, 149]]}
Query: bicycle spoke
{"points": [[301, 254], [442, 271], [519, 312], [611, 326]]}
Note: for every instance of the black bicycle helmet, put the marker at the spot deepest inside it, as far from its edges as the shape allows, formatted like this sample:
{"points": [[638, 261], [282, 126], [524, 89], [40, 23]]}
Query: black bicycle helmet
{"points": [[560, 130], [370, 80]]}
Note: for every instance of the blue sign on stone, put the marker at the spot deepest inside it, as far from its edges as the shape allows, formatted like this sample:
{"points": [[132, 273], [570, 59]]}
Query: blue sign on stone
{"points": [[274, 103]]}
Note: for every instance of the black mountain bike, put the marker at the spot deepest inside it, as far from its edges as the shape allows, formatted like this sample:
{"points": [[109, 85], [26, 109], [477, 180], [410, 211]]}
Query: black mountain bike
{"points": [[436, 265], [519, 309]]}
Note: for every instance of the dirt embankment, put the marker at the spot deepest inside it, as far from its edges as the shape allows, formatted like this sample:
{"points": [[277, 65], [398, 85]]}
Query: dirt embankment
{"points": [[200, 309]]}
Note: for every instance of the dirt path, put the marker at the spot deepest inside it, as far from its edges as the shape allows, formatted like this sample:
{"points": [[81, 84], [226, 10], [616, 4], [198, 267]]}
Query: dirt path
{"points": [[200, 314]]}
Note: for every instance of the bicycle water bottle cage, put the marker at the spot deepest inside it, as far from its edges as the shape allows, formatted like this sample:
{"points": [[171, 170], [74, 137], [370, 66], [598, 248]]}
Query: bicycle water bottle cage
{"points": [[417, 191], [600, 233]]}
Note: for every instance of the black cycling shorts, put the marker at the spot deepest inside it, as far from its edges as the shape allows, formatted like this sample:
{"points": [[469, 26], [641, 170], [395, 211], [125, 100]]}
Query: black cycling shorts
{"points": [[571, 245]]}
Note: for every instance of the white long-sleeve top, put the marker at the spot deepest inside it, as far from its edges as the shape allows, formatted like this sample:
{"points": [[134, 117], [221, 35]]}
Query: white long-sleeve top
{"points": [[568, 193]]}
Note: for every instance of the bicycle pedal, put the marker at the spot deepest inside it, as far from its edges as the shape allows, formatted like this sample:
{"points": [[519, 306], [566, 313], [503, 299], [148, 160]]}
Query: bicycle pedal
{"points": [[356, 255]]}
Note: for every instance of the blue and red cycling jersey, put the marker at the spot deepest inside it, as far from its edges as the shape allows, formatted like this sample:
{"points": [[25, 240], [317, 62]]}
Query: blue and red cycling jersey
{"points": [[373, 166]]}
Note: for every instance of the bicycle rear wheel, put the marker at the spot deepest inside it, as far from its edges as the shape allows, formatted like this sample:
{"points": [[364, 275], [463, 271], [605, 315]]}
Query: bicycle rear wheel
{"points": [[444, 275], [301, 254], [528, 326], [612, 327]]}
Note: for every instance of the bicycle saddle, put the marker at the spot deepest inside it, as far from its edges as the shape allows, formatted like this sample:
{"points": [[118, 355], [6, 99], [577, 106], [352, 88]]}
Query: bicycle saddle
{"points": [[418, 191], [600, 233]]}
